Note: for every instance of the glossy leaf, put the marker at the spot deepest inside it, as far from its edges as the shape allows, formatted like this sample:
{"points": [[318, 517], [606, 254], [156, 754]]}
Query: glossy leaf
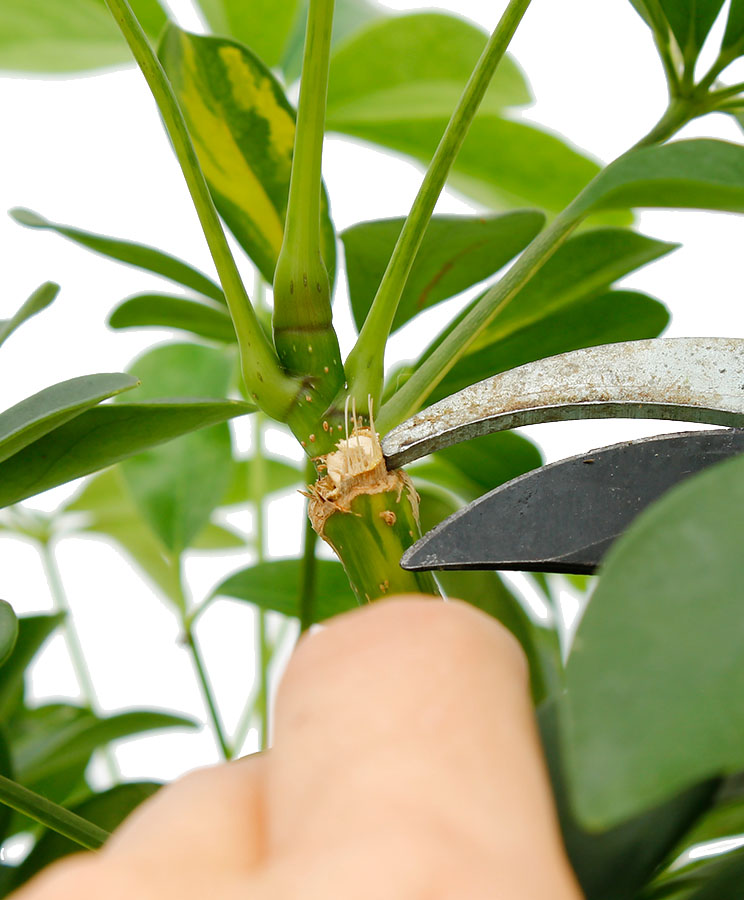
{"points": [[167, 311], [668, 601], [733, 38], [585, 266], [690, 21], [276, 585], [696, 174], [39, 300], [279, 475], [103, 436], [178, 486], [243, 129], [349, 16], [610, 318], [32, 633], [456, 253], [41, 413], [712, 878], [414, 67], [617, 863], [262, 25], [55, 740], [138, 255], [474, 467], [8, 630], [44, 36], [502, 163], [107, 810]]}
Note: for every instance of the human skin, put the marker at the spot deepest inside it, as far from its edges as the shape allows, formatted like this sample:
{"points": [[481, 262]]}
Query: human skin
{"points": [[405, 765]]}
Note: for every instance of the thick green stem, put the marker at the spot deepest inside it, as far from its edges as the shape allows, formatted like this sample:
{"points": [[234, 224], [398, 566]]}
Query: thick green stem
{"points": [[265, 379], [364, 367], [49, 814], [74, 644], [414, 392], [303, 328]]}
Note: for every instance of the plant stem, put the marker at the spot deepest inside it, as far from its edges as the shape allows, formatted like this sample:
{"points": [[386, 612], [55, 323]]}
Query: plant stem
{"points": [[49, 814], [74, 644], [411, 396], [303, 322], [190, 641], [308, 584], [249, 710], [678, 113], [364, 366], [265, 379], [263, 650]]}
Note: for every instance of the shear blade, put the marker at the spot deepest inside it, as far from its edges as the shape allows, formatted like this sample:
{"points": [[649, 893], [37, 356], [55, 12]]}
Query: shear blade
{"points": [[564, 517], [684, 379]]}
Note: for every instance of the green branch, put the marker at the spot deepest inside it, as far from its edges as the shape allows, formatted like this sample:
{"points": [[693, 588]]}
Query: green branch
{"points": [[309, 577], [265, 380], [414, 392], [303, 323], [364, 367], [50, 815]]}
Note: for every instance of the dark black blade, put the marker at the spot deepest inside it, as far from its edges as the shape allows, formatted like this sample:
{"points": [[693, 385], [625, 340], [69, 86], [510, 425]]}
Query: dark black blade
{"points": [[563, 517]]}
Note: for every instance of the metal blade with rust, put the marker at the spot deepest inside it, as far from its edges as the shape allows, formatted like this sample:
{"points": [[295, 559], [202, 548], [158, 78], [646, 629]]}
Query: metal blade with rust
{"points": [[563, 517], [683, 379]]}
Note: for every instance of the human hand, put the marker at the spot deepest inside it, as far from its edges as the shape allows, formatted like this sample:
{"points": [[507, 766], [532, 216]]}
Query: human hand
{"points": [[406, 766]]}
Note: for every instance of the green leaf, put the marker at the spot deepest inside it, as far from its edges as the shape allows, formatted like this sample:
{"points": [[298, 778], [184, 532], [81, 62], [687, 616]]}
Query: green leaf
{"points": [[502, 163], [733, 38], [610, 318], [414, 67], [103, 436], [138, 255], [217, 537], [473, 467], [39, 300], [657, 655], [279, 475], [107, 810], [456, 253], [697, 174], [167, 311], [32, 632], [275, 585], [717, 878], [179, 485], [108, 509], [41, 413], [691, 20], [585, 266], [262, 25], [44, 36], [8, 630], [617, 863], [349, 16], [243, 129], [60, 736]]}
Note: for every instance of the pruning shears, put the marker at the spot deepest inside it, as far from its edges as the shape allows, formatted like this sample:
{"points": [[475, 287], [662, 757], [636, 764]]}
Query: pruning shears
{"points": [[564, 517]]}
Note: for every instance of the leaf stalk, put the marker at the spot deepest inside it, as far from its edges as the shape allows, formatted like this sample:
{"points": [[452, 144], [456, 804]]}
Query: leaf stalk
{"points": [[364, 366], [265, 379]]}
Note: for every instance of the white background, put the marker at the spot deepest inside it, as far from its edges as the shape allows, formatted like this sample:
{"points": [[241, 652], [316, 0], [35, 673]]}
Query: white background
{"points": [[90, 151]]}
